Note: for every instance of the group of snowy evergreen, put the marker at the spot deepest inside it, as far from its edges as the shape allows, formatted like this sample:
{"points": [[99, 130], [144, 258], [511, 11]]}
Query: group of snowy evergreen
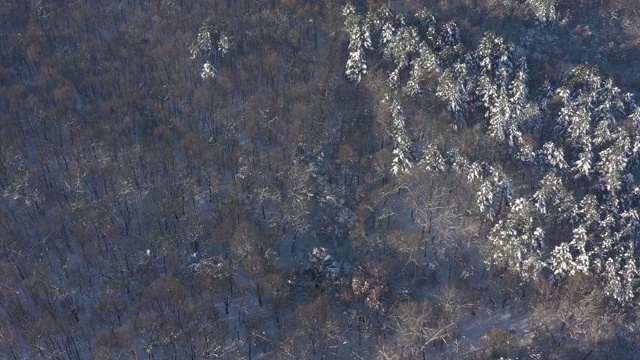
{"points": [[584, 148], [212, 43]]}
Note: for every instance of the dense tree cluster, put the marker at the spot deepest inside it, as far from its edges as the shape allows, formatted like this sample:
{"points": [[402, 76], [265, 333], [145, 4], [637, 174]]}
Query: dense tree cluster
{"points": [[596, 131], [281, 179]]}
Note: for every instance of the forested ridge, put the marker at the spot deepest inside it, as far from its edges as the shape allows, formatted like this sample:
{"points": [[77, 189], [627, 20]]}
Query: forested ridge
{"points": [[319, 180]]}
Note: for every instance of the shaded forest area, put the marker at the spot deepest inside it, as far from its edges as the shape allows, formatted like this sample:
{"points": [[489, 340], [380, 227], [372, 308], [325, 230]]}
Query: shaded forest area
{"points": [[319, 180]]}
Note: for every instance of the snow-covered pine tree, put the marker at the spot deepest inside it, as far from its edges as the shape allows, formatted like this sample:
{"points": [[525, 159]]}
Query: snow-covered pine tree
{"points": [[356, 65], [425, 23], [543, 10], [204, 41], [208, 71], [499, 115], [516, 242], [379, 21], [552, 194], [451, 90], [449, 36], [398, 43], [495, 189], [448, 45], [401, 142], [425, 63], [570, 258], [518, 100], [433, 161], [359, 39], [613, 161], [500, 85], [554, 156]]}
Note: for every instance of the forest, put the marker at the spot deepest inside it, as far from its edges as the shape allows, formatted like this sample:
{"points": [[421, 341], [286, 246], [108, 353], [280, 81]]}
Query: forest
{"points": [[339, 179]]}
